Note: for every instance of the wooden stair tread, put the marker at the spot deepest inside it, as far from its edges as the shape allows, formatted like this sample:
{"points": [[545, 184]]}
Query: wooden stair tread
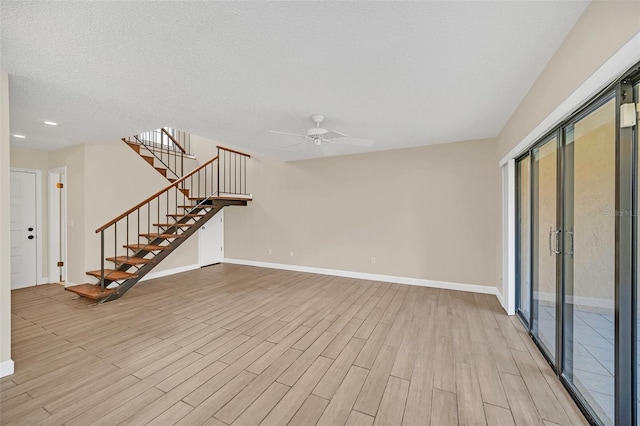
{"points": [[147, 247], [134, 145], [162, 171], [165, 236], [206, 206], [129, 260], [185, 215], [91, 291], [112, 275], [147, 159], [181, 225]]}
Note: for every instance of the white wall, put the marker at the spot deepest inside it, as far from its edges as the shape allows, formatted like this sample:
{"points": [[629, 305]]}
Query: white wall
{"points": [[6, 365]]}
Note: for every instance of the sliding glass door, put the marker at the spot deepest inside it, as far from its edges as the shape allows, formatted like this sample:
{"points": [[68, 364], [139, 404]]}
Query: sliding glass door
{"points": [[578, 255], [589, 198], [545, 245]]}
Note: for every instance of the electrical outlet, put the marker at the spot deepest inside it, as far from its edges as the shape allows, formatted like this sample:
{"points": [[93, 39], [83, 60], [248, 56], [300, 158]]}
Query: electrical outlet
{"points": [[291, 253], [270, 251], [373, 260]]}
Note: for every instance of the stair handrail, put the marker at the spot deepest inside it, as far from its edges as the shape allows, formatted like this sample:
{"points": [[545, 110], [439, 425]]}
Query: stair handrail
{"points": [[244, 154], [175, 142], [157, 194], [163, 144]]}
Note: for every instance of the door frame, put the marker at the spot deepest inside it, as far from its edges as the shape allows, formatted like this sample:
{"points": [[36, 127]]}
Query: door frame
{"points": [[54, 231], [39, 278]]}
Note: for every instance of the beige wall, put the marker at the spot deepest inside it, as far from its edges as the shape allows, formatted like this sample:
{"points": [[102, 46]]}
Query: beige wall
{"points": [[602, 30], [73, 159], [426, 213], [37, 160], [5, 245]]}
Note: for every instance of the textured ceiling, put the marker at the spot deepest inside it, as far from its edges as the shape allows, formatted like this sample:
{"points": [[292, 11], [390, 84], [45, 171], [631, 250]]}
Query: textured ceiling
{"points": [[401, 73]]}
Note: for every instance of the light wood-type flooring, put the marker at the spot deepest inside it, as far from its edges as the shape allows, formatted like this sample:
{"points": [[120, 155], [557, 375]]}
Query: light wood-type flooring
{"points": [[241, 345]]}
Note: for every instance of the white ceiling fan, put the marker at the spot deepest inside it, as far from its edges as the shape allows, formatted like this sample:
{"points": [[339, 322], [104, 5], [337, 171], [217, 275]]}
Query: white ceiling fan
{"points": [[321, 136]]}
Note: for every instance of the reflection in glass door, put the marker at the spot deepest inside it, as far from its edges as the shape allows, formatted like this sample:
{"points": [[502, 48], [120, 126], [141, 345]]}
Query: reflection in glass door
{"points": [[546, 244], [589, 257]]}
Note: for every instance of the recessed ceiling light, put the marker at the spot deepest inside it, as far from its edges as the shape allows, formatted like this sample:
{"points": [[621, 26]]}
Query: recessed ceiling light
{"points": [[19, 136], [51, 123]]}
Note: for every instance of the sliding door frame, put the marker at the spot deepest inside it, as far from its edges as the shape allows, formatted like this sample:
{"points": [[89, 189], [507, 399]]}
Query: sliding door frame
{"points": [[626, 243], [626, 246]]}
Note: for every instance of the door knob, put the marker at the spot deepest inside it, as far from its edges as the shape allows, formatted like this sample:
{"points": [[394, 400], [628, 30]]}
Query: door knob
{"points": [[31, 237], [30, 229]]}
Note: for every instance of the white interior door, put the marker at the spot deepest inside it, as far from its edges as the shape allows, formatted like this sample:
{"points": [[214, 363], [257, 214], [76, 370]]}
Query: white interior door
{"points": [[23, 229], [212, 240]]}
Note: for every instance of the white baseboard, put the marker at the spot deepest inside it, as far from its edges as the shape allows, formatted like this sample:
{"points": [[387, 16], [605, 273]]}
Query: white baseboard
{"points": [[6, 368], [171, 271], [500, 299], [473, 288]]}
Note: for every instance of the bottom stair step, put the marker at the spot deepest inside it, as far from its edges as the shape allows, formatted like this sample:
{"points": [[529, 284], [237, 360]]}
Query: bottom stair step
{"points": [[91, 291], [112, 275]]}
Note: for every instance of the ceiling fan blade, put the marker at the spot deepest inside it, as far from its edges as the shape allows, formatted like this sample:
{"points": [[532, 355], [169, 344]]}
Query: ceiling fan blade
{"points": [[354, 141], [291, 146], [332, 134], [288, 134]]}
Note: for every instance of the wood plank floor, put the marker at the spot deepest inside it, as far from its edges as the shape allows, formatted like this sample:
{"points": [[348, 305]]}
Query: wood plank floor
{"points": [[237, 345]]}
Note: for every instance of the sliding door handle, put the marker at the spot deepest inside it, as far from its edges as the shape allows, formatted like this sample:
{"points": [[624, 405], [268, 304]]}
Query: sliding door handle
{"points": [[556, 249], [570, 251], [553, 246]]}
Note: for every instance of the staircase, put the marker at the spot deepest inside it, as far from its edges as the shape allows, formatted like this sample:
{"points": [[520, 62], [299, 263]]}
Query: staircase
{"points": [[136, 241], [164, 149]]}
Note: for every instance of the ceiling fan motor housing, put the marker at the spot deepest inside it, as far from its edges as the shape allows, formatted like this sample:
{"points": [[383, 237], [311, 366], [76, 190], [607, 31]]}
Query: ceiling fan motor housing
{"points": [[315, 132]]}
